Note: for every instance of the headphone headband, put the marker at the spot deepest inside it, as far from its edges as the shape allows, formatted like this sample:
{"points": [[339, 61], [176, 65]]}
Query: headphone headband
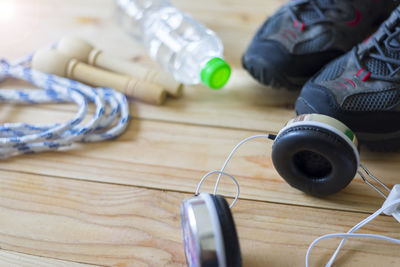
{"points": [[325, 122], [329, 121]]}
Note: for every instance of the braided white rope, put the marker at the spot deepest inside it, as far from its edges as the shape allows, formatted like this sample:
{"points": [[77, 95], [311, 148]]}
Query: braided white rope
{"points": [[109, 120]]}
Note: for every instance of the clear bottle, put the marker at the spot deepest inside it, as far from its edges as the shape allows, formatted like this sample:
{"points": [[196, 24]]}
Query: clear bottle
{"points": [[188, 50]]}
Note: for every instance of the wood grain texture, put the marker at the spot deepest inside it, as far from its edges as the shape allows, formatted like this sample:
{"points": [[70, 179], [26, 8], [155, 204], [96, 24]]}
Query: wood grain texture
{"points": [[11, 259], [175, 156], [127, 226], [111, 203], [234, 21], [261, 108]]}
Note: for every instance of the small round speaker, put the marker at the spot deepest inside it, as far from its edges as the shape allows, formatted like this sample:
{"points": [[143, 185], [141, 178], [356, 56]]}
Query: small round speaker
{"points": [[316, 154]]}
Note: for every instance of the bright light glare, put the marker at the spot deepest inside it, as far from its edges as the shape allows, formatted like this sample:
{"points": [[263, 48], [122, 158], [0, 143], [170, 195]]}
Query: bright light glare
{"points": [[7, 9]]}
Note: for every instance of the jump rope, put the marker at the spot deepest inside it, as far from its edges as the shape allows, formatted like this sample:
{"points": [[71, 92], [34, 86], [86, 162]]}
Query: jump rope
{"points": [[110, 119], [220, 218]]}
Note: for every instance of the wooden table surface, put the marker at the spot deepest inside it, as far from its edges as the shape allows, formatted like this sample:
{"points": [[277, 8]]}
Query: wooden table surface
{"points": [[117, 202]]}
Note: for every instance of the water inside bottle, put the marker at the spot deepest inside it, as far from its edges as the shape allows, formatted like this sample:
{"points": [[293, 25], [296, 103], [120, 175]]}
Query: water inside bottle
{"points": [[180, 45]]}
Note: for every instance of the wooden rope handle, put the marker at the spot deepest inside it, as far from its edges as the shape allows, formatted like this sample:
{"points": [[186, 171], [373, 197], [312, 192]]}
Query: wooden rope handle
{"points": [[84, 51], [51, 61]]}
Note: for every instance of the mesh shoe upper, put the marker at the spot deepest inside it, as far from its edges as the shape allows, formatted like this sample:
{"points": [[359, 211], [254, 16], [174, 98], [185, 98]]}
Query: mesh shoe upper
{"points": [[310, 26], [304, 35], [361, 88]]}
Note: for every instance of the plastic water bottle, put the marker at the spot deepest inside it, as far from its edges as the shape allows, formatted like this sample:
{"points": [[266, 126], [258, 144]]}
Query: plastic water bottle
{"points": [[188, 50]]}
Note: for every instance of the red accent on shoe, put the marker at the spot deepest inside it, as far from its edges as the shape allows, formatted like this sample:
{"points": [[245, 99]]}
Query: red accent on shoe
{"points": [[366, 76], [302, 26], [292, 33], [350, 81], [295, 23], [359, 71], [356, 19], [338, 87], [342, 84], [285, 36], [367, 39]]}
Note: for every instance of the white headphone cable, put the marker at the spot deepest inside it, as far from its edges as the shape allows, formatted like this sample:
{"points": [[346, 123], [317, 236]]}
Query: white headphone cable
{"points": [[392, 203]]}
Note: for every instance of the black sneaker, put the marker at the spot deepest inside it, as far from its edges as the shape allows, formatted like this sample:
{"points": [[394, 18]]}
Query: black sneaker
{"points": [[362, 88], [304, 35]]}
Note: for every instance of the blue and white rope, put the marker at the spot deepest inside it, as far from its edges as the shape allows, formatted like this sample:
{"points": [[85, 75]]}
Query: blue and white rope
{"points": [[109, 120]]}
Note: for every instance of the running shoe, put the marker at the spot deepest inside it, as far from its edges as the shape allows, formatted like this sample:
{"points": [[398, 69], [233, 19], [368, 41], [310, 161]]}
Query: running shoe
{"points": [[304, 35], [362, 88]]}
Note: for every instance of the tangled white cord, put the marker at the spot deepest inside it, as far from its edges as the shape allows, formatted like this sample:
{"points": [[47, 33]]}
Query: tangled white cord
{"points": [[221, 172], [109, 120]]}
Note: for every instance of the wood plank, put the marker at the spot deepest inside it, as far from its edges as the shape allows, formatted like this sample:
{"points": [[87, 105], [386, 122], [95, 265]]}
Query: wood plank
{"points": [[99, 222], [127, 226], [252, 108], [175, 157], [234, 21], [8, 258], [242, 104]]}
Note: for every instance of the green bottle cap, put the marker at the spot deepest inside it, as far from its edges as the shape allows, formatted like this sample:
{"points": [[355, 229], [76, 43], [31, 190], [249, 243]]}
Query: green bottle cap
{"points": [[215, 73]]}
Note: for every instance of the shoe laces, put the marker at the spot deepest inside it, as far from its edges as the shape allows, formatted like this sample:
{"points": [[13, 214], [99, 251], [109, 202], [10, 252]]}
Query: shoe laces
{"points": [[310, 12], [384, 48]]}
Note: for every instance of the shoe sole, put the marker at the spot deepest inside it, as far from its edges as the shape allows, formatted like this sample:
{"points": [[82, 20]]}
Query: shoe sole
{"points": [[385, 142]]}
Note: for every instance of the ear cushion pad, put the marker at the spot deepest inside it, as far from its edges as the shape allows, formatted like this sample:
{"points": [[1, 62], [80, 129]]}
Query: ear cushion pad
{"points": [[231, 241], [314, 160]]}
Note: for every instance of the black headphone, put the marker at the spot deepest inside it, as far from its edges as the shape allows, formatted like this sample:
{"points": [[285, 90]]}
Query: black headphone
{"points": [[209, 233], [314, 153]]}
